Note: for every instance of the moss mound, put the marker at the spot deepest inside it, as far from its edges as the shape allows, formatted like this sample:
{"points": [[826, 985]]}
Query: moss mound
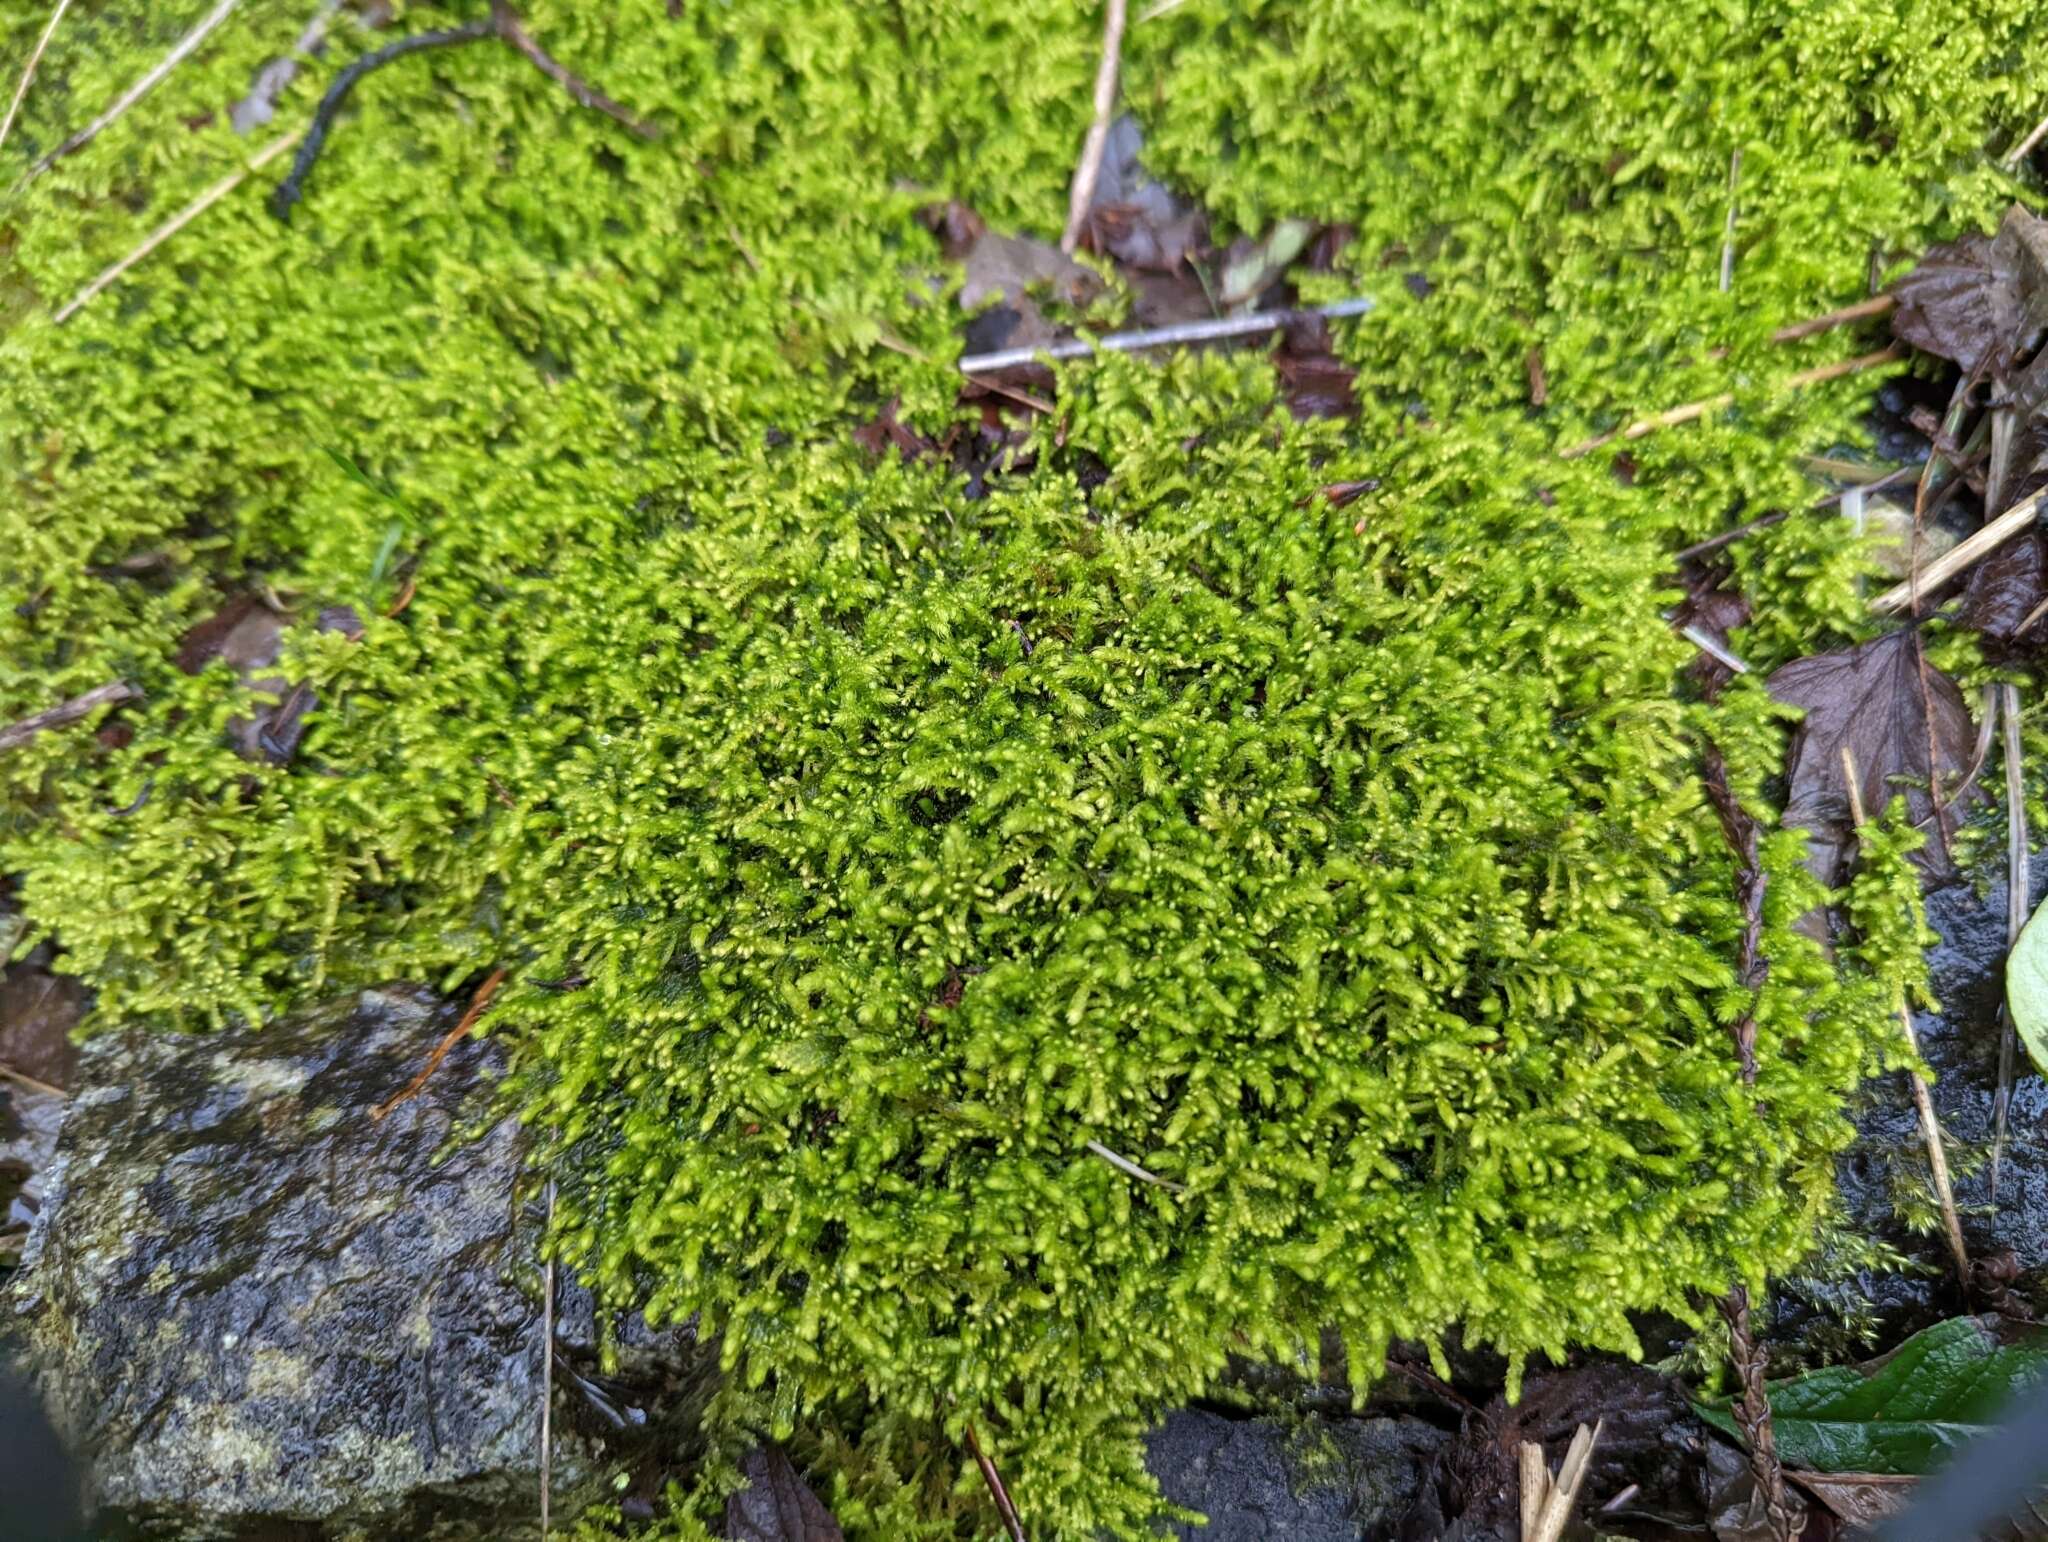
{"points": [[862, 851]]}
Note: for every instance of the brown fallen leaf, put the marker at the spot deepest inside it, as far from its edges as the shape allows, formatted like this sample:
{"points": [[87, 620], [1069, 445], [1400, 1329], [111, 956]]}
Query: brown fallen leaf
{"points": [[777, 1505], [885, 429], [38, 1010], [1861, 1499], [1314, 381], [1981, 301], [2004, 590], [1873, 699]]}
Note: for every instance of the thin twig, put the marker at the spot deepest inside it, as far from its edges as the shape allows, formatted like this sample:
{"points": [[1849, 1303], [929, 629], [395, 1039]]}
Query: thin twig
{"points": [[29, 70], [2019, 151], [1085, 174], [1728, 231], [1862, 310], [994, 1480], [1692, 411], [1161, 337], [585, 94], [547, 1365], [179, 53], [15, 735], [1752, 1412], [33, 1083], [477, 1003], [1923, 1101], [1965, 552], [179, 221], [1159, 9], [503, 24], [2019, 893], [1126, 1165], [289, 191]]}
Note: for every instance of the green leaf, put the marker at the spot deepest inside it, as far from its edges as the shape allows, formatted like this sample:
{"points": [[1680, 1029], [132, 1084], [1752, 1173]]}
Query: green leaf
{"points": [[2026, 989], [1906, 1412]]}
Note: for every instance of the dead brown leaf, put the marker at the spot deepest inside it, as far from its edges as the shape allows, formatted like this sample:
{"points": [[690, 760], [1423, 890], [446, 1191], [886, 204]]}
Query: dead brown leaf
{"points": [[1979, 302], [777, 1505], [1861, 1499], [38, 1010], [2003, 591], [885, 429], [1875, 700], [1315, 382]]}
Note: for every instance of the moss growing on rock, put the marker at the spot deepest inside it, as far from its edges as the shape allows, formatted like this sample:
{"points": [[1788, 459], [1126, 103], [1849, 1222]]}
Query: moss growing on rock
{"points": [[863, 852]]}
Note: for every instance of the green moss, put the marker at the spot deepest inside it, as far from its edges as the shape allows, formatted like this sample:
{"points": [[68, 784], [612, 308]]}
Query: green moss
{"points": [[1345, 868]]}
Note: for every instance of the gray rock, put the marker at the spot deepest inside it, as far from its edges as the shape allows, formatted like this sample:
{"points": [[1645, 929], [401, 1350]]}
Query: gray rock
{"points": [[255, 1308], [1313, 1480], [1960, 1042]]}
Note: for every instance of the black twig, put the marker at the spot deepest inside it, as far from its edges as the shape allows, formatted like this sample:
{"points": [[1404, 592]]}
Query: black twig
{"points": [[289, 191]]}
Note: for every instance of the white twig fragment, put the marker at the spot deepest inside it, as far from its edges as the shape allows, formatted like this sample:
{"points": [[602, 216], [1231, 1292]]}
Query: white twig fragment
{"points": [[1546, 1501], [1090, 169], [1703, 640], [1728, 233], [1126, 1165], [29, 72], [1160, 337]]}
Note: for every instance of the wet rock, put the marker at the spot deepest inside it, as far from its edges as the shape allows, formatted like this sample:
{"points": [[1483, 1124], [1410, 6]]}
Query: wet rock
{"points": [[29, 1118], [1960, 1042], [1315, 1480], [258, 1312]]}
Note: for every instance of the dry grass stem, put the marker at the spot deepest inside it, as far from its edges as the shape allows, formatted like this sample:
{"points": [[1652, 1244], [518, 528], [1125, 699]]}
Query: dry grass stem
{"points": [[1692, 411], [1092, 147], [1728, 231], [28, 72], [182, 50], [178, 222], [1923, 1101], [1964, 553]]}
